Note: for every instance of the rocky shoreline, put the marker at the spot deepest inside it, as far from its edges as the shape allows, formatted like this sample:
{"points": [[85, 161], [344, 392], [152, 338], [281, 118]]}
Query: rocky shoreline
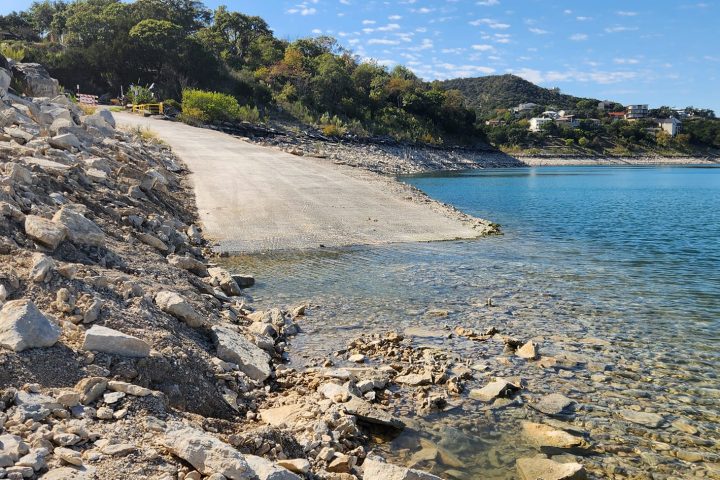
{"points": [[397, 158], [125, 352]]}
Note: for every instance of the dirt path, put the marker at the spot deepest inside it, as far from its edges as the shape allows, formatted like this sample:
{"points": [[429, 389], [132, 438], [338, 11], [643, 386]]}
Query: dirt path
{"points": [[253, 198]]}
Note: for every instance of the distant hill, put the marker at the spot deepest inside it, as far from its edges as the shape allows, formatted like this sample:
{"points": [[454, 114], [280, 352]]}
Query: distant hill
{"points": [[486, 94]]}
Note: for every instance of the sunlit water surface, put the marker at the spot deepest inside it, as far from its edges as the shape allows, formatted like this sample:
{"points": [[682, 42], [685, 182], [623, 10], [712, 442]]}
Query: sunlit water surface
{"points": [[615, 267]]}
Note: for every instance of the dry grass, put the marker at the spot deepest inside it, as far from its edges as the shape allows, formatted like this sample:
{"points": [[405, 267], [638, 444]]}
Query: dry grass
{"points": [[87, 109]]}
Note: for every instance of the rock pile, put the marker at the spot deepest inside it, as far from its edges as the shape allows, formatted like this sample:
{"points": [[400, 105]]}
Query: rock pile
{"points": [[124, 353]]}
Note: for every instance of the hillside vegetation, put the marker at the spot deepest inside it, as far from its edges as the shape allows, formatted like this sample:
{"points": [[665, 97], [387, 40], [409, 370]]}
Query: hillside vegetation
{"points": [[487, 94], [103, 45], [187, 51]]}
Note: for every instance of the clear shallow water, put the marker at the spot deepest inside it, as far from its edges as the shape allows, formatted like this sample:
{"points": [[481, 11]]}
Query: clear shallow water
{"points": [[616, 268]]}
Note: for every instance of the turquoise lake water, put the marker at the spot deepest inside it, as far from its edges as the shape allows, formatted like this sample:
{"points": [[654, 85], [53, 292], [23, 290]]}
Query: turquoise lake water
{"points": [[616, 268]]}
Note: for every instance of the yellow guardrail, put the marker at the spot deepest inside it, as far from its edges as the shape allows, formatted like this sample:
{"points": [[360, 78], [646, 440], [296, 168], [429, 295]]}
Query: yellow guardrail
{"points": [[149, 108]]}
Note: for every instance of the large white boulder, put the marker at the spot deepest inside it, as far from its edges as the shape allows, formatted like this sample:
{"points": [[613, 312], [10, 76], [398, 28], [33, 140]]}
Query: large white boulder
{"points": [[540, 468], [267, 470], [45, 232], [107, 340], [178, 307], [235, 348], [80, 230], [207, 454], [23, 326], [374, 469]]}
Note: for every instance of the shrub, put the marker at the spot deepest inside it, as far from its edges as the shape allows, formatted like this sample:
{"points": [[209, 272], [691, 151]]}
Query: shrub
{"points": [[172, 104], [249, 114], [138, 95], [14, 52], [569, 142], [331, 130], [583, 142], [210, 106]]}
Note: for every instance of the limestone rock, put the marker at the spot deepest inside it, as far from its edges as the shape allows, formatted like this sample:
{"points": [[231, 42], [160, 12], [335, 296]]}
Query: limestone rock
{"points": [[68, 456], [555, 404], [34, 81], [45, 232], [153, 241], [650, 420], [65, 141], [224, 280], [207, 454], [107, 340], [539, 468], [497, 388], [415, 379], [284, 415], [41, 267], [297, 465], [71, 473], [34, 406], [244, 281], [267, 470], [18, 173], [178, 307], [129, 388], [13, 446], [542, 436], [23, 326], [188, 263], [365, 411], [81, 231], [529, 351], [235, 348], [374, 469], [91, 388]]}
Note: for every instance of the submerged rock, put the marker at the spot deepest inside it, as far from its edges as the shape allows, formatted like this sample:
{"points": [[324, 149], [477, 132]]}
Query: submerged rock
{"points": [[650, 420], [374, 469], [541, 436], [497, 388], [555, 404], [540, 468]]}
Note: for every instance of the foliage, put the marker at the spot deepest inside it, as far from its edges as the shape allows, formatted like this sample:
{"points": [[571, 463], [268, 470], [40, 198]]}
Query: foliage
{"points": [[487, 94], [138, 95], [13, 51], [216, 107]]}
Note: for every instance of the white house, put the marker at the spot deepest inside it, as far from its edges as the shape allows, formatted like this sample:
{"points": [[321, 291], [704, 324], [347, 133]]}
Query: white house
{"points": [[670, 125], [524, 107], [568, 120], [536, 123], [633, 112]]}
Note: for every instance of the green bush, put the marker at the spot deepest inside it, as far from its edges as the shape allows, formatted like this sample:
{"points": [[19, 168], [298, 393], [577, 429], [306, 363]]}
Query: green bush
{"points": [[13, 51], [203, 106], [210, 106], [139, 95]]}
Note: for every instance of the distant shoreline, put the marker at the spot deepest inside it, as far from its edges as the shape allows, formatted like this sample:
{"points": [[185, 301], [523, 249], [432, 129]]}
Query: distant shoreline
{"points": [[548, 161]]}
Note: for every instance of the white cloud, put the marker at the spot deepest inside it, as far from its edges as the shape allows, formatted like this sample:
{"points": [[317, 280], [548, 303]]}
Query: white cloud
{"points": [[316, 31], [345, 2], [624, 13], [488, 3], [382, 41], [599, 77], [578, 37], [620, 28], [538, 31], [389, 27], [483, 47], [303, 9], [395, 17], [490, 23], [626, 61], [424, 10], [369, 22], [583, 19]]}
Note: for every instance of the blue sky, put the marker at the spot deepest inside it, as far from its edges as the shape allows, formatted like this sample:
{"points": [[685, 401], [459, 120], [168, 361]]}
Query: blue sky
{"points": [[661, 52]]}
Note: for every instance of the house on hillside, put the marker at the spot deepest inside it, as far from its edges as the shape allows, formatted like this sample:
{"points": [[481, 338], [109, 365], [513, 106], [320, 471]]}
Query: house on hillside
{"points": [[670, 125], [635, 112], [605, 105], [616, 115], [524, 107], [550, 114], [536, 123], [568, 120]]}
